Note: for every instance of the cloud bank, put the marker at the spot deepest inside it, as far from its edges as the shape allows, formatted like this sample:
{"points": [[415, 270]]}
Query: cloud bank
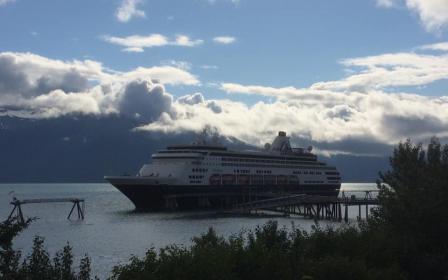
{"points": [[368, 108], [33, 86], [359, 108]]}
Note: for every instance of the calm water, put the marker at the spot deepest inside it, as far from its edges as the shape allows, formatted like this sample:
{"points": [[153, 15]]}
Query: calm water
{"points": [[112, 232]]}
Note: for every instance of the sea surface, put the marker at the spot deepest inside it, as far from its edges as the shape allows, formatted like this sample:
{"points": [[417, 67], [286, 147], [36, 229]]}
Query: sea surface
{"points": [[112, 232]]}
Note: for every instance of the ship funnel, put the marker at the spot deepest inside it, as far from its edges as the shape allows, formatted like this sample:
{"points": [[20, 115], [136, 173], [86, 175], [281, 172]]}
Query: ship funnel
{"points": [[281, 143]]}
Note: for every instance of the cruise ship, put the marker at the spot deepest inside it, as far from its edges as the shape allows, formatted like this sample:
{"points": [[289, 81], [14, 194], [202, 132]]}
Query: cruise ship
{"points": [[209, 175]]}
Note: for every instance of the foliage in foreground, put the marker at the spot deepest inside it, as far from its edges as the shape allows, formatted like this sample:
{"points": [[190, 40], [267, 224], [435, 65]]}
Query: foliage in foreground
{"points": [[414, 208], [271, 252], [37, 265]]}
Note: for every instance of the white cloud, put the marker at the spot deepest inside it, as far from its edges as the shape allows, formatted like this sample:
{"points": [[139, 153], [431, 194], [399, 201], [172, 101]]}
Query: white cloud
{"points": [[4, 2], [379, 72], [164, 74], [433, 14], [231, 1], [385, 3], [356, 108], [137, 43], [39, 87], [134, 49], [182, 40], [185, 65], [208, 67], [196, 98], [144, 100], [376, 117], [224, 40], [390, 70], [443, 46], [128, 9]]}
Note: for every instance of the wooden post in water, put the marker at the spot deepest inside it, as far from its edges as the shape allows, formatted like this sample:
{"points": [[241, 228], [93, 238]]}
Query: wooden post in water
{"points": [[346, 213], [367, 211], [339, 212]]}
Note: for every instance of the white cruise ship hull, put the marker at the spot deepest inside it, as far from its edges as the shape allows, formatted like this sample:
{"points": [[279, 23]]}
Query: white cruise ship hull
{"points": [[154, 194]]}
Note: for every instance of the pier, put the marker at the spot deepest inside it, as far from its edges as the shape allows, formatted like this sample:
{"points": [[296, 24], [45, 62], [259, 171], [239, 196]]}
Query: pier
{"points": [[312, 206], [78, 203]]}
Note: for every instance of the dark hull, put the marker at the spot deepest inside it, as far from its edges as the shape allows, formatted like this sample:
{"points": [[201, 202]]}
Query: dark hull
{"points": [[178, 197]]}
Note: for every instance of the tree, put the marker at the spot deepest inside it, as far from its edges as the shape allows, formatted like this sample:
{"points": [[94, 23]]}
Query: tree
{"points": [[414, 207], [37, 265]]}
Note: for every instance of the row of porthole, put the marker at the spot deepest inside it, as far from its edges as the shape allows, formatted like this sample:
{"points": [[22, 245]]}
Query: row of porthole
{"points": [[241, 171], [199, 170], [307, 172], [263, 171], [196, 176], [268, 161]]}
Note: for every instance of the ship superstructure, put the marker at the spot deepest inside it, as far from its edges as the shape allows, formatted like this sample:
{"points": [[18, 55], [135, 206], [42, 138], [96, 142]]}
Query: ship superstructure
{"points": [[210, 175]]}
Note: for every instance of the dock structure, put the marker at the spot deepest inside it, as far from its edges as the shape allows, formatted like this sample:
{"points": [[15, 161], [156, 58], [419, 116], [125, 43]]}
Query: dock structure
{"points": [[315, 206], [78, 203], [312, 206]]}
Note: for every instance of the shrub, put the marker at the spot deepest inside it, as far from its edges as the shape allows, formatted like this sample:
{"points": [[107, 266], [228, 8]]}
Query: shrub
{"points": [[37, 265]]}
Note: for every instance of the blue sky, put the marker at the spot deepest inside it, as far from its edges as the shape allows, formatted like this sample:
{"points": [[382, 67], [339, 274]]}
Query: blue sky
{"points": [[278, 43], [307, 46]]}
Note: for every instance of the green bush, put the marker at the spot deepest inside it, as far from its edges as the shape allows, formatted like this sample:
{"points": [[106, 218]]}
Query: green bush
{"points": [[37, 265], [268, 252]]}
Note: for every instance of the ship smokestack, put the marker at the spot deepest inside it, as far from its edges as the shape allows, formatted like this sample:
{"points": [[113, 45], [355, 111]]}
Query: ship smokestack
{"points": [[282, 133]]}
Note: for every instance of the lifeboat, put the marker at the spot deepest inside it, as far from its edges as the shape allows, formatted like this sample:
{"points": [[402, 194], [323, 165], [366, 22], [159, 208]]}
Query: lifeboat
{"points": [[257, 180], [293, 180], [228, 179], [243, 180], [215, 179], [269, 179], [282, 180]]}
